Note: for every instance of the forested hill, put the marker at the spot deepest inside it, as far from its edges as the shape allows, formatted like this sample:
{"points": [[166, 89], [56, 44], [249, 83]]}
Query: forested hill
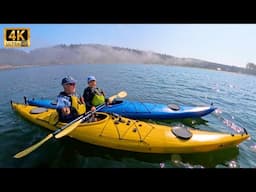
{"points": [[96, 53]]}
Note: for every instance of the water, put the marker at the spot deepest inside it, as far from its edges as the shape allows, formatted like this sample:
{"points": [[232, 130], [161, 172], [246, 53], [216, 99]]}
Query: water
{"points": [[233, 94]]}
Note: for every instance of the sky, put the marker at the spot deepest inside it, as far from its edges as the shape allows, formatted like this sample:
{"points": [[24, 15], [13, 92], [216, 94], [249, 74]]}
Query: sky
{"points": [[229, 44]]}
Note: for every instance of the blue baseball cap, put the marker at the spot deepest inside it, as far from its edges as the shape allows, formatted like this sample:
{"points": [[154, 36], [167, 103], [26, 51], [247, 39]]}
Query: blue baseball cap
{"points": [[91, 78], [67, 80]]}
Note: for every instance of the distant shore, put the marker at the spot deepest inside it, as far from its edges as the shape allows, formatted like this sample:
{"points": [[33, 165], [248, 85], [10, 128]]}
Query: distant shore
{"points": [[103, 54], [9, 67], [6, 67]]}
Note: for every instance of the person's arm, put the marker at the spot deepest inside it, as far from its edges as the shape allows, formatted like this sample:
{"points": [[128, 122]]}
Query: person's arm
{"points": [[103, 93], [63, 105], [60, 103]]}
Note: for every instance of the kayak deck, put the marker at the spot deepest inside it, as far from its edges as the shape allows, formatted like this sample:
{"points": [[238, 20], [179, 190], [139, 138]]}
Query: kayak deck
{"points": [[141, 110]]}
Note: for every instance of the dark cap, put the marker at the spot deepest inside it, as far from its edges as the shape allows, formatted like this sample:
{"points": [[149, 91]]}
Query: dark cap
{"points": [[67, 80]]}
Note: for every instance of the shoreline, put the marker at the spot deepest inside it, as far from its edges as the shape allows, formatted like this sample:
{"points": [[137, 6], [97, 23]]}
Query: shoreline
{"points": [[10, 67]]}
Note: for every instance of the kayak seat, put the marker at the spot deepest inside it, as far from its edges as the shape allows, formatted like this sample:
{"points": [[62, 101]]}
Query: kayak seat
{"points": [[174, 107], [38, 110], [94, 118], [182, 133]]}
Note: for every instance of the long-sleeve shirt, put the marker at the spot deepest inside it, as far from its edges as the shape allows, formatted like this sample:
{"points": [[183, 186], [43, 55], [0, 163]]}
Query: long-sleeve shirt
{"points": [[64, 100]]}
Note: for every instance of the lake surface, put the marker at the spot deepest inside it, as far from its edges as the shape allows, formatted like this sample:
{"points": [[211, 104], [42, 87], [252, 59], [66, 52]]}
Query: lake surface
{"points": [[233, 94]]}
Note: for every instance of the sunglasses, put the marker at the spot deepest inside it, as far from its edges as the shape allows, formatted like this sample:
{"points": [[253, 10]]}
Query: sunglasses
{"points": [[71, 84]]}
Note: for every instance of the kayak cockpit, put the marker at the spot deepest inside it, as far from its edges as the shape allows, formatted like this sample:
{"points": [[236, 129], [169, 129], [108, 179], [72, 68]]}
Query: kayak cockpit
{"points": [[97, 117]]}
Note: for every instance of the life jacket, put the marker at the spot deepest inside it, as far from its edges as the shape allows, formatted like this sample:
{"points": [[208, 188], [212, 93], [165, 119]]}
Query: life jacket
{"points": [[76, 108], [98, 97], [78, 105]]}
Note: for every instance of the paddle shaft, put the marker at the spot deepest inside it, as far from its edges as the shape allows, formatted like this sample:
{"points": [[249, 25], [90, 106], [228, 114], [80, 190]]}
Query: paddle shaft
{"points": [[57, 133], [65, 130], [73, 124]]}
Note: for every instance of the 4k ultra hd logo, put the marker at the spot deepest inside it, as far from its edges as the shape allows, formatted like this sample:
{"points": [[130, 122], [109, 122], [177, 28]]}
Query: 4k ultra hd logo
{"points": [[16, 37]]}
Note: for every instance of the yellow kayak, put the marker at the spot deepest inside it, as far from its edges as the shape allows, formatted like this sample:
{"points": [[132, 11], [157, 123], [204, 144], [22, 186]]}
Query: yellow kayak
{"points": [[117, 132]]}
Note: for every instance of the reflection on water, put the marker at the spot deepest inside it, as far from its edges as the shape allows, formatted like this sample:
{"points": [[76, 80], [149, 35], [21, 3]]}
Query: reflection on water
{"points": [[189, 122], [74, 152], [211, 159]]}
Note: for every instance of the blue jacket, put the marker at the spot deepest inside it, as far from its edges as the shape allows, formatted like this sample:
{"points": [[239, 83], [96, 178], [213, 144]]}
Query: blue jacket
{"points": [[63, 100]]}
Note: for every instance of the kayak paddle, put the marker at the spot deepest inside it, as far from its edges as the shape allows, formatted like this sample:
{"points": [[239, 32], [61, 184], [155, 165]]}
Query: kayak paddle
{"points": [[65, 130]]}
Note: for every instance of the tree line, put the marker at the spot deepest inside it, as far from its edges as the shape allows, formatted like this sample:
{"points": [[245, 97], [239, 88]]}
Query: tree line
{"points": [[250, 68]]}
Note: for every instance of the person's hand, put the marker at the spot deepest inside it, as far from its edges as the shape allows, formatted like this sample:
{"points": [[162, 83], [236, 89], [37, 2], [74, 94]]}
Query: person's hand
{"points": [[82, 100], [107, 102], [93, 109], [65, 111]]}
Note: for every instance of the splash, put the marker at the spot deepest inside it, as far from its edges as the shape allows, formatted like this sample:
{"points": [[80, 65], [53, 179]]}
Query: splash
{"points": [[162, 165], [233, 126], [218, 111], [176, 160], [227, 122], [233, 164], [253, 148]]}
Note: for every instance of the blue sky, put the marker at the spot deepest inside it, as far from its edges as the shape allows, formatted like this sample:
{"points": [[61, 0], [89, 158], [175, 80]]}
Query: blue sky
{"points": [[230, 44]]}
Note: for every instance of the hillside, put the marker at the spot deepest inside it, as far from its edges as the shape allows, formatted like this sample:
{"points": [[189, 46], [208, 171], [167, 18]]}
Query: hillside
{"points": [[96, 53]]}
